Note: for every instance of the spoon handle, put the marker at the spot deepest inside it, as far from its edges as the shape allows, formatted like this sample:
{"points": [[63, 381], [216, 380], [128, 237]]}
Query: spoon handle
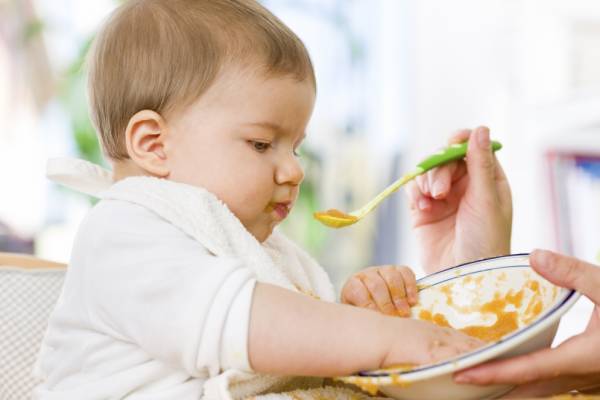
{"points": [[451, 153]]}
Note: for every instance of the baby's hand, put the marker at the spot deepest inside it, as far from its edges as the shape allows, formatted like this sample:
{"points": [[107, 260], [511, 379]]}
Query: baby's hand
{"points": [[388, 289], [420, 342]]}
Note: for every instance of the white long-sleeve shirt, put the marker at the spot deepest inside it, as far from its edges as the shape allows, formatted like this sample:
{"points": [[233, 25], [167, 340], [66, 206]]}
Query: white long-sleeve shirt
{"points": [[145, 309]]}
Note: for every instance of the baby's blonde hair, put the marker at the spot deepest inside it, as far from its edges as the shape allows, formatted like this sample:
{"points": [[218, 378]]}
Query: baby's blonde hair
{"points": [[162, 55]]}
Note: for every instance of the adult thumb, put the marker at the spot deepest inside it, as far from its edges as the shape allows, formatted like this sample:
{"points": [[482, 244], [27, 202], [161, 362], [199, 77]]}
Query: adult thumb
{"points": [[481, 164], [568, 272]]}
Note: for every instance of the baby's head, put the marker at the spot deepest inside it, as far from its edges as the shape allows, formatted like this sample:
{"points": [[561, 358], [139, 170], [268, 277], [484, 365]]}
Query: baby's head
{"points": [[211, 93]]}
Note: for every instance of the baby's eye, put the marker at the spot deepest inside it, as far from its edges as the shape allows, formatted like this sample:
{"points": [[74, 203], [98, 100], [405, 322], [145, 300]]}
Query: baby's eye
{"points": [[261, 147]]}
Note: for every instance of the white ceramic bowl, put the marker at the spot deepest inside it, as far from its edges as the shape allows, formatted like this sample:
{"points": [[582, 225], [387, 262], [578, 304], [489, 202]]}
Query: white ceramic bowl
{"points": [[501, 297]]}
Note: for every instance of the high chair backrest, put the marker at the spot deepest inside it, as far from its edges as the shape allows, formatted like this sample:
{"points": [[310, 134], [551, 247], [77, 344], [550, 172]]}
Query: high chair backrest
{"points": [[29, 288]]}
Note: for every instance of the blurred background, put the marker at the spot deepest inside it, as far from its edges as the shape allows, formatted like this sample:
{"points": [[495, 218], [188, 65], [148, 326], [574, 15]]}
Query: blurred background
{"points": [[395, 79]]}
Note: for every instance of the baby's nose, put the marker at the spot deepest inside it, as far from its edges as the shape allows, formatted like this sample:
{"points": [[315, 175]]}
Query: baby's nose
{"points": [[289, 172]]}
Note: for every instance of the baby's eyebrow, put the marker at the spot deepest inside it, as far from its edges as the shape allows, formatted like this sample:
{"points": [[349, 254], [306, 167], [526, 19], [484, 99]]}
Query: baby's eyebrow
{"points": [[267, 125]]}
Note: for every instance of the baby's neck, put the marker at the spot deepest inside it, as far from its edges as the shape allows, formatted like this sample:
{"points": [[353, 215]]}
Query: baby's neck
{"points": [[125, 168]]}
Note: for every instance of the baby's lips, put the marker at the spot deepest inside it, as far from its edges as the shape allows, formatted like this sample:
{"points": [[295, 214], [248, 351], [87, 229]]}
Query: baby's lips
{"points": [[282, 209], [272, 206]]}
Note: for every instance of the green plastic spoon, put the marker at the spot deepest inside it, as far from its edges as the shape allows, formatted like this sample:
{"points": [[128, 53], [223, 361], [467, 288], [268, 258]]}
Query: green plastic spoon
{"points": [[338, 219]]}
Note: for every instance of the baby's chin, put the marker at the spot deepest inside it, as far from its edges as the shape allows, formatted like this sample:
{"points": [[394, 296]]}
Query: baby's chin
{"points": [[263, 232]]}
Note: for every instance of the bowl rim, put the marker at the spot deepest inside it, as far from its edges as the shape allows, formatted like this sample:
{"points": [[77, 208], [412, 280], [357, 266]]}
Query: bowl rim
{"points": [[487, 352]]}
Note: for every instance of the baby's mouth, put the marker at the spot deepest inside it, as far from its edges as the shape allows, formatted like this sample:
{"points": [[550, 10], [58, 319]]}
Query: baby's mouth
{"points": [[281, 209]]}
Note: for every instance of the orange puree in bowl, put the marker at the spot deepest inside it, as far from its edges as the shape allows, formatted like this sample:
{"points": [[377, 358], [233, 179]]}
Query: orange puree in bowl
{"points": [[506, 321]]}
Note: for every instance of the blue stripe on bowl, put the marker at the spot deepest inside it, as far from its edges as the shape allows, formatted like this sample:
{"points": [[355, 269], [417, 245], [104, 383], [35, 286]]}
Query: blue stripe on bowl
{"points": [[483, 260], [473, 273], [485, 348]]}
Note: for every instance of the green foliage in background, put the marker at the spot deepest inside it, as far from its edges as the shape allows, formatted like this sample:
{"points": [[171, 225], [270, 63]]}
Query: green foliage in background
{"points": [[73, 95]]}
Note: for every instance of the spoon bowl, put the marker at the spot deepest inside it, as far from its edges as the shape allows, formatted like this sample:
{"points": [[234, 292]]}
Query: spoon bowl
{"points": [[335, 218]]}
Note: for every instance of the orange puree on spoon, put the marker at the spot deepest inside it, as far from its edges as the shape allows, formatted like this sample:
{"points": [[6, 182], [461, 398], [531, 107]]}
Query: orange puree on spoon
{"points": [[335, 218]]}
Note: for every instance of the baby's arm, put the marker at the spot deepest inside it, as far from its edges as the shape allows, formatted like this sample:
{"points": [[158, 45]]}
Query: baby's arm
{"points": [[294, 334]]}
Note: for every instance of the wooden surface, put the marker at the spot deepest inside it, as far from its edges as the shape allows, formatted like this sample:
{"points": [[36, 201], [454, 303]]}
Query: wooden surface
{"points": [[27, 261]]}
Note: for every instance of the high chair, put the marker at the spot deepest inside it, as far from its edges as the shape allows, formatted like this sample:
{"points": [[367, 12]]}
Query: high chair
{"points": [[29, 288]]}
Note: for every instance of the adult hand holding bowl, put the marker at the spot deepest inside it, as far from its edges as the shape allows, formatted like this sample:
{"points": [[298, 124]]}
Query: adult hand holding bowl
{"points": [[574, 364]]}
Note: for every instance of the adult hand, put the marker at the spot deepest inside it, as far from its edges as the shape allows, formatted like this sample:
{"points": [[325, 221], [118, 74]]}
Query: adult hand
{"points": [[573, 365], [462, 211]]}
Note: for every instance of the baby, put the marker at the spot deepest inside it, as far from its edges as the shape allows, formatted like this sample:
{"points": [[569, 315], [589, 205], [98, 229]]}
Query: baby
{"points": [[178, 286]]}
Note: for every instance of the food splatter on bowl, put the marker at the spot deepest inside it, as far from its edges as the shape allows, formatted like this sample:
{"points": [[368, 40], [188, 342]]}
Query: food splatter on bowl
{"points": [[487, 305]]}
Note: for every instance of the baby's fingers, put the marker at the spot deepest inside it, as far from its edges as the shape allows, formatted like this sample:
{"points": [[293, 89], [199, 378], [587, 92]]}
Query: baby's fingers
{"points": [[396, 283], [379, 291], [356, 293], [410, 285]]}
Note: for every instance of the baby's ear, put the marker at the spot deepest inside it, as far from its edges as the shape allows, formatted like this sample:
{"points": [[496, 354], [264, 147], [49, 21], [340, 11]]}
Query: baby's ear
{"points": [[144, 138]]}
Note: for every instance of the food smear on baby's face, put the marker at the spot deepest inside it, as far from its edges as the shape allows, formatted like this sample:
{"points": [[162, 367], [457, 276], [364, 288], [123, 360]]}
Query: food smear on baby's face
{"points": [[506, 321]]}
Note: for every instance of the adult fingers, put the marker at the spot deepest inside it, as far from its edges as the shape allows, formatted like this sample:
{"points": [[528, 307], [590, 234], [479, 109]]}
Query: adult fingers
{"points": [[418, 200], [423, 184], [460, 136], [504, 193], [481, 164], [437, 182], [568, 272], [440, 180], [563, 384], [500, 176], [570, 357]]}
